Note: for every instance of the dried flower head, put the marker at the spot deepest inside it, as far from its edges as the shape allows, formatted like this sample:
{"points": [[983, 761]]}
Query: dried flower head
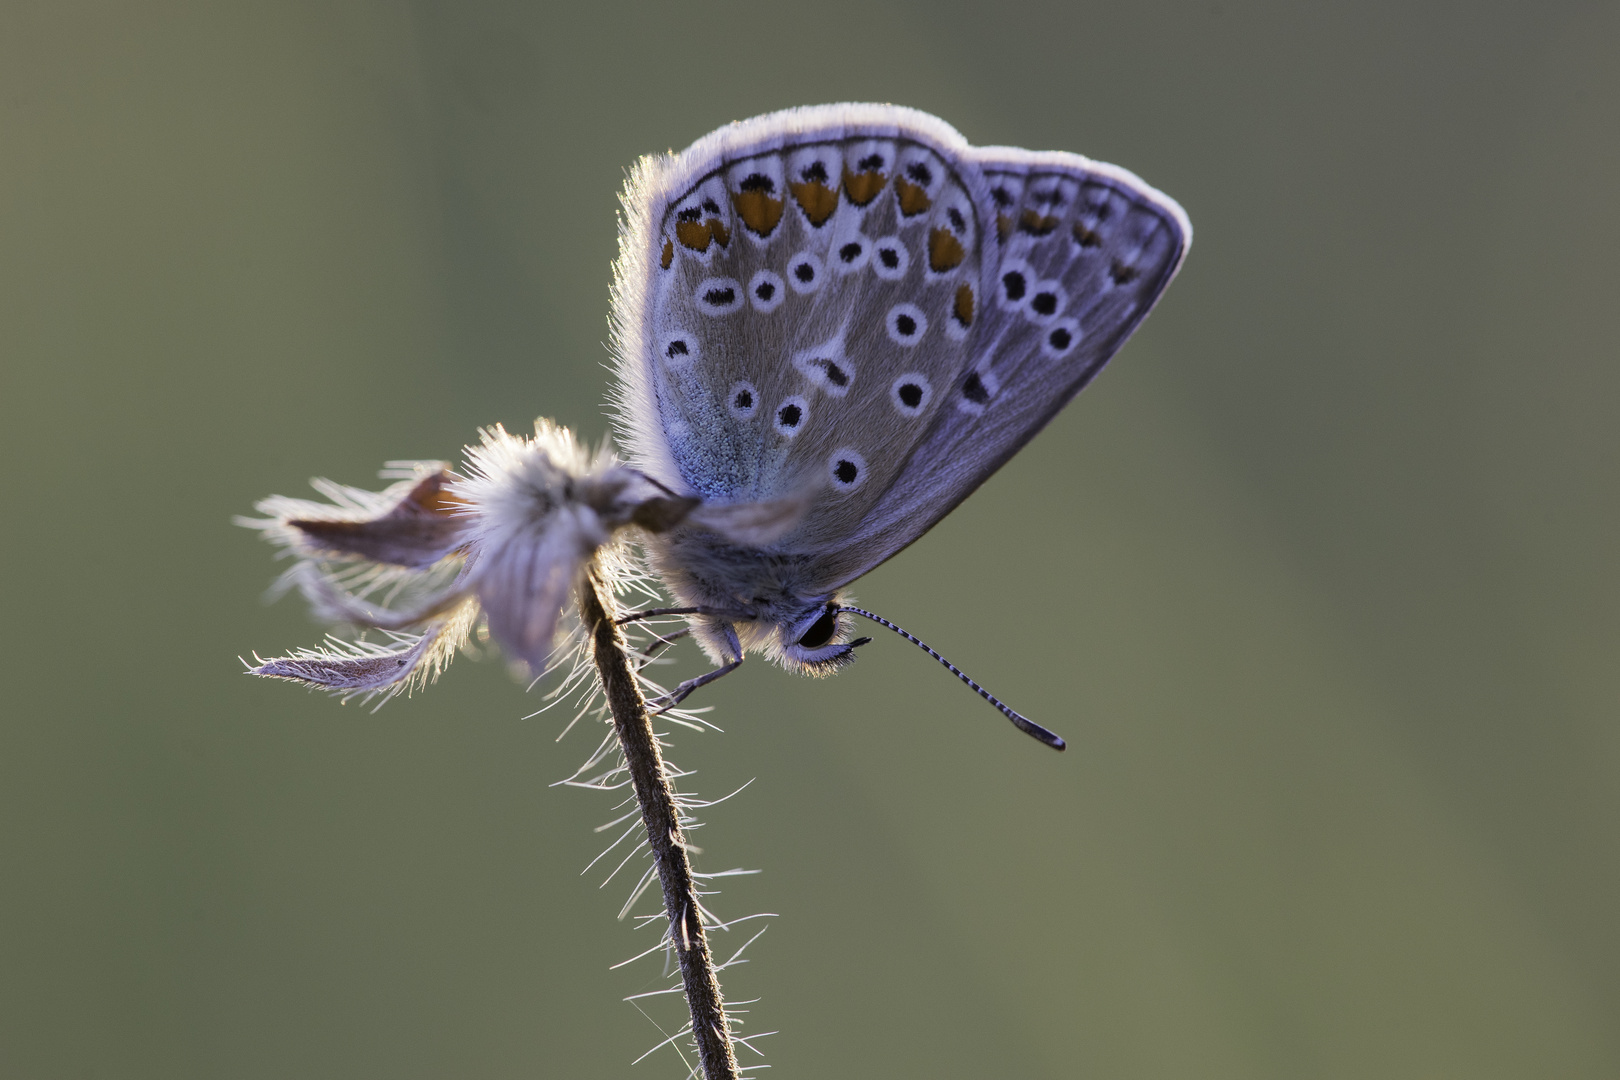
{"points": [[424, 559]]}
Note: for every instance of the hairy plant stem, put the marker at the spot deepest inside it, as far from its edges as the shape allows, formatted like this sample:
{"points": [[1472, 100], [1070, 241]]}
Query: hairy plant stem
{"points": [[656, 797]]}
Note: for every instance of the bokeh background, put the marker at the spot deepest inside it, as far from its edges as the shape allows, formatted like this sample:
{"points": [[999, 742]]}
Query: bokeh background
{"points": [[1318, 579]]}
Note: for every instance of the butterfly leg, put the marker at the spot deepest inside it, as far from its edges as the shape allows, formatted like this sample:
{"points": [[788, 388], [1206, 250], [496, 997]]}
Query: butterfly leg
{"points": [[684, 690], [658, 644]]}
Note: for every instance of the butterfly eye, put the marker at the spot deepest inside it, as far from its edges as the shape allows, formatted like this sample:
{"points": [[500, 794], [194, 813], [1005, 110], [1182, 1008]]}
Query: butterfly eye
{"points": [[890, 259], [906, 324], [821, 631]]}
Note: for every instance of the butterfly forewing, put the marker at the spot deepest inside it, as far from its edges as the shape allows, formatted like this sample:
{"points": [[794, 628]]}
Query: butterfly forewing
{"points": [[811, 309]]}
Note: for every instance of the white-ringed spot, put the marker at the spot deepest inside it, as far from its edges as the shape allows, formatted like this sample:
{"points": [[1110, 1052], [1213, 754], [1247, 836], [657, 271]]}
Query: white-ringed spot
{"points": [[1059, 339], [890, 259], [766, 291], [846, 469], [1046, 301], [911, 393], [743, 401], [804, 273], [831, 374], [790, 416], [906, 324], [678, 349], [1013, 285], [976, 389], [851, 255], [718, 296]]}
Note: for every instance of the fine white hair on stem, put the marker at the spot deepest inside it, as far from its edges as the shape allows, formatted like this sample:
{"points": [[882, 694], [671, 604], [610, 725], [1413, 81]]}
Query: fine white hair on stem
{"points": [[605, 769]]}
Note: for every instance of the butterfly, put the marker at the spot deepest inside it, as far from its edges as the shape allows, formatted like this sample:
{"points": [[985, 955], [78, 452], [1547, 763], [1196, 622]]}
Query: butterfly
{"points": [[830, 325]]}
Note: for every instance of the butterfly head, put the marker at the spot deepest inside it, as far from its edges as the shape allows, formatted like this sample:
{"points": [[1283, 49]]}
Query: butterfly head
{"points": [[805, 635], [815, 640]]}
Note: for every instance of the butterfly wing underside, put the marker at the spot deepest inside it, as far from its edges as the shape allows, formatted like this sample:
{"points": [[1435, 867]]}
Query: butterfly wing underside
{"points": [[852, 303]]}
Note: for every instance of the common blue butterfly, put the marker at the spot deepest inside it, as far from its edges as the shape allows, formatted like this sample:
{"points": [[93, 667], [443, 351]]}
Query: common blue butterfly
{"points": [[830, 325]]}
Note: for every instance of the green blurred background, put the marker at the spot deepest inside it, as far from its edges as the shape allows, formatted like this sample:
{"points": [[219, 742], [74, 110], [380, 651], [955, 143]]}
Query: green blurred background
{"points": [[1318, 579]]}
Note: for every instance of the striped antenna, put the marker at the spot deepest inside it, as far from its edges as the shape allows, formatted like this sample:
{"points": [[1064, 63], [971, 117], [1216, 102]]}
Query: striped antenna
{"points": [[1020, 721]]}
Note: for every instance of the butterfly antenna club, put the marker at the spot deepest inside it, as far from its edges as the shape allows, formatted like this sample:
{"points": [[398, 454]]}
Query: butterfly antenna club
{"points": [[1020, 721]]}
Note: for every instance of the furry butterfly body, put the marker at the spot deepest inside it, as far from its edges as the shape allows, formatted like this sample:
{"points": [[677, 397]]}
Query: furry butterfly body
{"points": [[851, 305]]}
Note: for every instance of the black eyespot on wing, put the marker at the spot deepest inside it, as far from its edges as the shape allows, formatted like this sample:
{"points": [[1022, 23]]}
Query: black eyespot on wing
{"points": [[765, 290], [1044, 303], [871, 162], [711, 207], [850, 252], [1060, 338], [815, 172], [889, 257], [956, 219], [911, 394], [1123, 274], [920, 173], [974, 390], [835, 374], [789, 416], [821, 631], [905, 324], [1002, 196], [744, 400], [720, 296], [691, 213], [677, 348], [758, 182], [846, 471], [1013, 285], [805, 272]]}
